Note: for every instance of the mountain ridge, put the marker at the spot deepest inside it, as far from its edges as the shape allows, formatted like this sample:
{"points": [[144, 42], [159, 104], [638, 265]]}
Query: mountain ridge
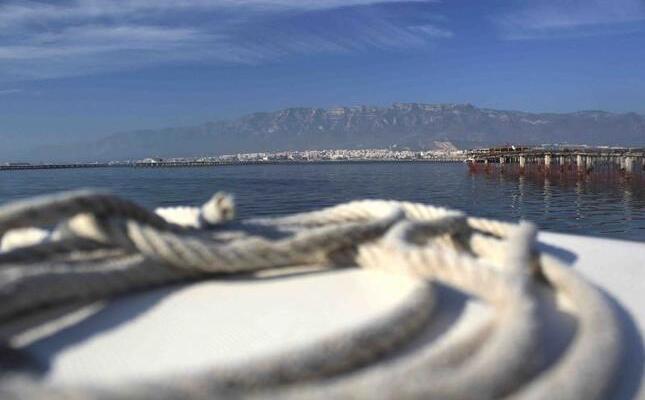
{"points": [[411, 125]]}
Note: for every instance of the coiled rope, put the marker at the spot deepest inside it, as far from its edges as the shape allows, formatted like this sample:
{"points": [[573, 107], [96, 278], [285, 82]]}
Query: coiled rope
{"points": [[93, 245]]}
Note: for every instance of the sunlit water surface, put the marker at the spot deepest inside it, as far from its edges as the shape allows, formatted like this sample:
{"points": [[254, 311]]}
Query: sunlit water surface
{"points": [[615, 209]]}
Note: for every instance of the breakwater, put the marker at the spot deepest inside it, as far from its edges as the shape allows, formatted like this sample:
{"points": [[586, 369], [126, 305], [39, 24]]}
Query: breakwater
{"points": [[186, 164], [23, 166]]}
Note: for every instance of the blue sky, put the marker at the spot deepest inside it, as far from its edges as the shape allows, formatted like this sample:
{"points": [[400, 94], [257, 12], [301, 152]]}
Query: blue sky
{"points": [[71, 69]]}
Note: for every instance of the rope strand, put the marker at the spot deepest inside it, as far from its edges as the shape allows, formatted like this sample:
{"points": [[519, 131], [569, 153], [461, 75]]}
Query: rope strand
{"points": [[103, 246]]}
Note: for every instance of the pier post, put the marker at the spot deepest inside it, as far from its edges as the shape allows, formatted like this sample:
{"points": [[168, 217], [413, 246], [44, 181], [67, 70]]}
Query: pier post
{"points": [[579, 162], [629, 164], [547, 161], [561, 160], [502, 160], [522, 162], [589, 163]]}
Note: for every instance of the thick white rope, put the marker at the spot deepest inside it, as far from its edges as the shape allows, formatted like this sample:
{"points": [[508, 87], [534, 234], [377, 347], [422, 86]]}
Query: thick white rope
{"points": [[102, 246]]}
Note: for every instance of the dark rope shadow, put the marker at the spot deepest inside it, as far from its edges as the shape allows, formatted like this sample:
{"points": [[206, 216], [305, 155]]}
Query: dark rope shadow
{"points": [[630, 377], [38, 355], [565, 255], [115, 313], [632, 365], [450, 306]]}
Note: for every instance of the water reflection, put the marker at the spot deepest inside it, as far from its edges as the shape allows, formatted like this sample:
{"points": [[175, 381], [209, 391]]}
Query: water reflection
{"points": [[547, 196], [562, 200], [627, 201], [578, 200], [601, 199], [520, 187]]}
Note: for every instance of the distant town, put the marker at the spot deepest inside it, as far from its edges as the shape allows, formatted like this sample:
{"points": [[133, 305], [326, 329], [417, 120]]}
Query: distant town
{"points": [[338, 155], [322, 155], [507, 154]]}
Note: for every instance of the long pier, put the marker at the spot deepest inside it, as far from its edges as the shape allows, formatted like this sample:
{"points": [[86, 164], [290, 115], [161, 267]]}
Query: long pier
{"points": [[582, 160], [21, 166], [187, 164]]}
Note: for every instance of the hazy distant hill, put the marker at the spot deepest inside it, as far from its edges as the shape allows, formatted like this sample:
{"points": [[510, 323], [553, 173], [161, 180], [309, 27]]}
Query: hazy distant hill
{"points": [[406, 125]]}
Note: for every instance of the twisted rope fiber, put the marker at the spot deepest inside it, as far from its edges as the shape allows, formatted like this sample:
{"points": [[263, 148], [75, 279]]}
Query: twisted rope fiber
{"points": [[24, 290], [491, 260], [55, 208], [597, 334], [513, 338]]}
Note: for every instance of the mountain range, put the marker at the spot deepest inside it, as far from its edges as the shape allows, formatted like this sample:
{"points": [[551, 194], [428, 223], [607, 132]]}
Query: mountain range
{"points": [[404, 125]]}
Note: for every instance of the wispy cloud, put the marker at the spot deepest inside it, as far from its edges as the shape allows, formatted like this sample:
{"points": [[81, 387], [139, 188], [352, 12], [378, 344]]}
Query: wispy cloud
{"points": [[6, 92], [43, 40], [557, 18]]}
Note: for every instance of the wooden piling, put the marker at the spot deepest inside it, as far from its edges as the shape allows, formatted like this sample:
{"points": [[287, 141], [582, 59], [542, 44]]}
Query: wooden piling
{"points": [[629, 164], [580, 162], [590, 163]]}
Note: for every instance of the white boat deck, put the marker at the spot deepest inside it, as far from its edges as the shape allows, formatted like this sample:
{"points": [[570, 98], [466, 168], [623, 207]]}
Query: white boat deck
{"points": [[189, 328]]}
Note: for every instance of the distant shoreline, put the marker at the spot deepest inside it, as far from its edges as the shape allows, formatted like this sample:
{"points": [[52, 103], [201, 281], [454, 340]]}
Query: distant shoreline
{"points": [[197, 164]]}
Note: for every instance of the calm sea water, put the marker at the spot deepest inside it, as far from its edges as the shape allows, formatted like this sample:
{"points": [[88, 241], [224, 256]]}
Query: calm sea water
{"points": [[614, 209]]}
